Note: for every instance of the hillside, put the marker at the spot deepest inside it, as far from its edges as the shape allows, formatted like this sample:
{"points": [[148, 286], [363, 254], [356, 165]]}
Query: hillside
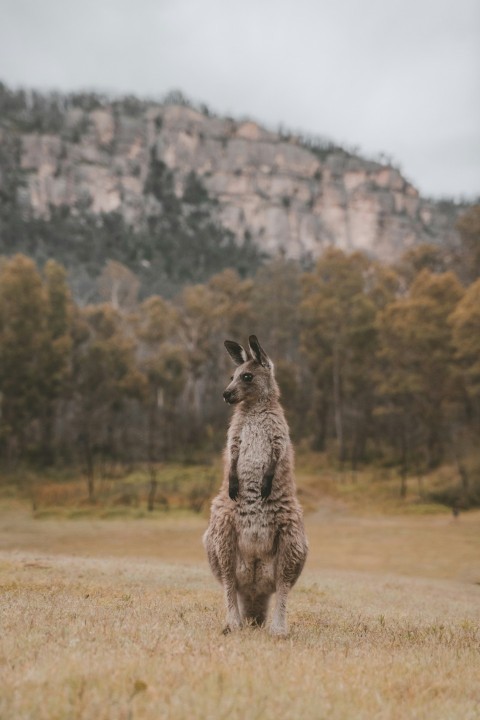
{"points": [[160, 169]]}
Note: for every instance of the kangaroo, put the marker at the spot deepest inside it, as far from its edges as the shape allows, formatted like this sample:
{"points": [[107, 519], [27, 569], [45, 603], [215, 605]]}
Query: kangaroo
{"points": [[255, 541]]}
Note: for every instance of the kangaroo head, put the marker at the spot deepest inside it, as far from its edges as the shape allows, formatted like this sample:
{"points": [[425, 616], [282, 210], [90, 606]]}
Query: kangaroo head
{"points": [[253, 379]]}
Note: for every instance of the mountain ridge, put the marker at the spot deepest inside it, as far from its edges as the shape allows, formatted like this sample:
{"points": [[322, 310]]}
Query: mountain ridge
{"points": [[280, 192]]}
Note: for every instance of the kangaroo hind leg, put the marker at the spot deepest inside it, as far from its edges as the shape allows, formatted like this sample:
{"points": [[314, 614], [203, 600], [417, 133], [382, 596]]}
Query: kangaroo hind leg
{"points": [[292, 553]]}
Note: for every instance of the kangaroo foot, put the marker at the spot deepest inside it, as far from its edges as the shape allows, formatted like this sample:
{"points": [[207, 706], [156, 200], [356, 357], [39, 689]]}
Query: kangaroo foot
{"points": [[280, 631]]}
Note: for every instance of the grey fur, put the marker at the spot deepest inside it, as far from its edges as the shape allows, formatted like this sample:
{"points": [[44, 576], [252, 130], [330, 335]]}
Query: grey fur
{"points": [[255, 541]]}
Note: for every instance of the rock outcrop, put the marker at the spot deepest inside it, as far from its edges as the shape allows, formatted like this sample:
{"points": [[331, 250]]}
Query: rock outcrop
{"points": [[274, 190]]}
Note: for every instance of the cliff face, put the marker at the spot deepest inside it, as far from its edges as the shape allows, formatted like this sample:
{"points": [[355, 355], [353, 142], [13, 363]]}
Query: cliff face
{"points": [[273, 190]]}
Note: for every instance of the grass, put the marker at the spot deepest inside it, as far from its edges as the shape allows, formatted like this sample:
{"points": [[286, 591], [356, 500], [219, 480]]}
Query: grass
{"points": [[372, 489], [105, 617], [120, 492], [109, 638]]}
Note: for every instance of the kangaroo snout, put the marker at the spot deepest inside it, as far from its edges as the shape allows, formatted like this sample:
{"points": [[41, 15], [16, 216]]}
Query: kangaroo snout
{"points": [[229, 396]]}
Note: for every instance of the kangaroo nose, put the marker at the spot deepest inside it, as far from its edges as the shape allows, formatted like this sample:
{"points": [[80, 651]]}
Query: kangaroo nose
{"points": [[227, 395]]}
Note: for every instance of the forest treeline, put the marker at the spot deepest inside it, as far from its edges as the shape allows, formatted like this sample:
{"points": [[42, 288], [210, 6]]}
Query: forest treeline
{"points": [[376, 364]]}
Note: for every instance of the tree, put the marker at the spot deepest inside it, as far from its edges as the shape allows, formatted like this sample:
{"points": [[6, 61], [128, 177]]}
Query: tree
{"points": [[23, 336], [209, 314], [276, 296], [338, 338], [468, 226], [118, 285], [105, 376], [35, 354], [424, 256], [417, 378], [163, 363], [55, 359], [465, 322]]}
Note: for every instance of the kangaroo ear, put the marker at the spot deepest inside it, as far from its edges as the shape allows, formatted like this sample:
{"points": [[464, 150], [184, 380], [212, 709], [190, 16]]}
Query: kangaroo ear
{"points": [[237, 352], [258, 353]]}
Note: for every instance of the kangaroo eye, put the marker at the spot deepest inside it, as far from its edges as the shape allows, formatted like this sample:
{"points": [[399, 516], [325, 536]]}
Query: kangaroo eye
{"points": [[231, 378], [248, 377]]}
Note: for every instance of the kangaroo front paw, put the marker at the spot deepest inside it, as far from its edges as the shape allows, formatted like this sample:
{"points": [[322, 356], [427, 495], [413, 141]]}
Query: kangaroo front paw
{"points": [[266, 488], [233, 486]]}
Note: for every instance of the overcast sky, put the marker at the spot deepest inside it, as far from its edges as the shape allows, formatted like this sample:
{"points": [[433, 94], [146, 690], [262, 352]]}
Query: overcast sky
{"points": [[394, 76]]}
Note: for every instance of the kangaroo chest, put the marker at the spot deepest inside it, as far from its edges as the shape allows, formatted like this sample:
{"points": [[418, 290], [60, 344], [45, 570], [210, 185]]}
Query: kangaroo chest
{"points": [[255, 520], [255, 451]]}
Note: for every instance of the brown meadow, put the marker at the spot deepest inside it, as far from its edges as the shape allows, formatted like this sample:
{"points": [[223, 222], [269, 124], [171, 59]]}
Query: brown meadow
{"points": [[122, 619]]}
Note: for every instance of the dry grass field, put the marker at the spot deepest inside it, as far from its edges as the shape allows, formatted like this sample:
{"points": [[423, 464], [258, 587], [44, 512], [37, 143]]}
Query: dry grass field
{"points": [[120, 618]]}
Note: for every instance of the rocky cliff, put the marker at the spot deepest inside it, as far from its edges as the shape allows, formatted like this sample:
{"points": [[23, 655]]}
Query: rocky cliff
{"points": [[275, 191]]}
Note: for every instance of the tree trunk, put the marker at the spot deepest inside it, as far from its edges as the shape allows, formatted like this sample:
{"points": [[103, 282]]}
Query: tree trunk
{"points": [[337, 404], [321, 424], [152, 428], [420, 485], [153, 489], [462, 471], [404, 466], [47, 434], [90, 477], [89, 463]]}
